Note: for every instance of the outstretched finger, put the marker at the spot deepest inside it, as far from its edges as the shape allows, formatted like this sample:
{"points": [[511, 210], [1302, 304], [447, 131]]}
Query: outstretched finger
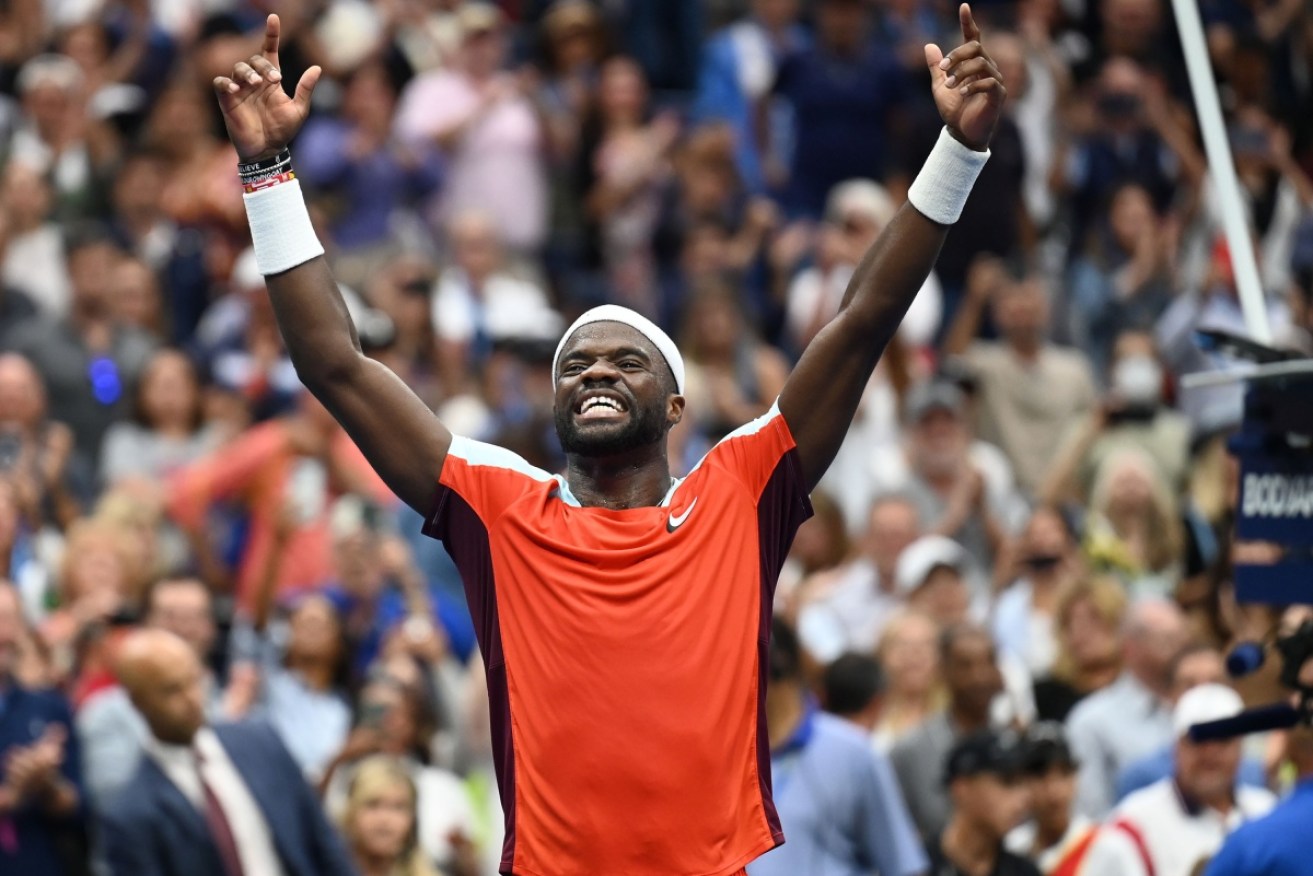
{"points": [[272, 28], [305, 88], [970, 31], [934, 59]]}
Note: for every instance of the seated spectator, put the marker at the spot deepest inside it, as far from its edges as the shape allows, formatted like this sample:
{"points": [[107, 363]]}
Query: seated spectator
{"points": [[381, 824], [1056, 838], [971, 674], [846, 608], [167, 430], [1027, 388], [1025, 614], [224, 798], [1194, 666], [1175, 825], [41, 799], [837, 799], [909, 655], [1088, 622], [982, 776], [1133, 530], [1132, 717]]}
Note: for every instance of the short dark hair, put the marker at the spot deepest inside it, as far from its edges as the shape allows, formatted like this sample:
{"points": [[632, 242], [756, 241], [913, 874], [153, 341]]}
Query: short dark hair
{"points": [[954, 633], [851, 683], [785, 652], [87, 235]]}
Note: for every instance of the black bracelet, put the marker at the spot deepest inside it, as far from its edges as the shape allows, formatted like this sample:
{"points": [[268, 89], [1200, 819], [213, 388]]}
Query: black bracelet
{"points": [[255, 171]]}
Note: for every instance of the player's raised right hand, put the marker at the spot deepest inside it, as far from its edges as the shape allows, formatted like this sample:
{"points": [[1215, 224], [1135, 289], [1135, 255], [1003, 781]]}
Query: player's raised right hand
{"points": [[260, 117]]}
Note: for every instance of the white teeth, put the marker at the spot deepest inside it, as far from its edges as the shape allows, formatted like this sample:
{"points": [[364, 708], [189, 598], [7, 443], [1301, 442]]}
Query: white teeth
{"points": [[598, 401]]}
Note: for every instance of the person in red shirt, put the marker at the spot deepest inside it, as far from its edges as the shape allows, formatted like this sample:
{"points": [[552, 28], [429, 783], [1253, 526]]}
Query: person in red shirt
{"points": [[623, 615]]}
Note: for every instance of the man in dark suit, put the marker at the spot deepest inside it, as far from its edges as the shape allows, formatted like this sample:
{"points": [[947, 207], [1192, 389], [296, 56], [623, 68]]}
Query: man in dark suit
{"points": [[226, 800]]}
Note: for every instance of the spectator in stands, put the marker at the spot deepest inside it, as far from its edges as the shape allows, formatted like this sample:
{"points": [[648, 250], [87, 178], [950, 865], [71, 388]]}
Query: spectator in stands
{"points": [[1125, 278], [41, 801], [15, 304], [1194, 666], [1173, 826], [1132, 717], [963, 488], [837, 799], [841, 130], [112, 732], [1024, 618], [1028, 389], [1134, 527], [34, 255], [51, 482], [89, 364], [380, 824], [982, 774], [486, 127], [167, 429], [851, 688], [1133, 414], [848, 607], [1056, 838], [738, 71], [931, 579], [1088, 623], [226, 798], [971, 674], [914, 692]]}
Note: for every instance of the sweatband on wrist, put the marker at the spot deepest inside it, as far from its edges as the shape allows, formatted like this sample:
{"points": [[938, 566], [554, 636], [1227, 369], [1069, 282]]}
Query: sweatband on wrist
{"points": [[942, 187], [254, 171], [281, 232]]}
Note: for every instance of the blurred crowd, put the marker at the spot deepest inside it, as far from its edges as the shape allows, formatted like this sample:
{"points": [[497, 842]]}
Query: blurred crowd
{"points": [[1017, 585]]}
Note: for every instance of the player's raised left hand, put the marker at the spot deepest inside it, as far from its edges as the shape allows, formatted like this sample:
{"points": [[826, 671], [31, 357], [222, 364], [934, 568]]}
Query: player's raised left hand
{"points": [[967, 86]]}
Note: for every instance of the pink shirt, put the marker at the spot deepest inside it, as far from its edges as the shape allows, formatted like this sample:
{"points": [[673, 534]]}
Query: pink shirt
{"points": [[496, 168]]}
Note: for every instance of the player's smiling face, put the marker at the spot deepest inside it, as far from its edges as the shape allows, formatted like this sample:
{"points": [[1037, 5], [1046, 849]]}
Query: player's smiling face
{"points": [[614, 392]]}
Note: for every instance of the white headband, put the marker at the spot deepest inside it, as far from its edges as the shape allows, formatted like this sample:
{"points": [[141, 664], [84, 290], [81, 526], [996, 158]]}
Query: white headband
{"points": [[637, 322]]}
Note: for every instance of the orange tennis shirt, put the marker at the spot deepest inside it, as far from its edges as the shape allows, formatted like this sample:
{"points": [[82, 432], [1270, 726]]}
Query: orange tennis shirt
{"points": [[626, 655]]}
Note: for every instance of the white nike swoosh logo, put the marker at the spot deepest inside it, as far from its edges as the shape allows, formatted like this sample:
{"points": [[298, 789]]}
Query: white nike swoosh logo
{"points": [[677, 520]]}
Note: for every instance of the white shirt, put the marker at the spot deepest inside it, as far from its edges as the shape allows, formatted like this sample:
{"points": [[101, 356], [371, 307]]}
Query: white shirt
{"points": [[1175, 838], [1021, 841], [254, 840], [850, 615], [1110, 729]]}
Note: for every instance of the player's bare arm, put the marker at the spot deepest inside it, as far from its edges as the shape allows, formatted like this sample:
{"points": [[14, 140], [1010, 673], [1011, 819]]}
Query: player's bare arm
{"points": [[821, 396], [398, 434]]}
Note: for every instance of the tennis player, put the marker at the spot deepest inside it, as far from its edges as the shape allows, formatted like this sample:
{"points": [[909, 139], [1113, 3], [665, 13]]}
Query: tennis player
{"points": [[623, 615]]}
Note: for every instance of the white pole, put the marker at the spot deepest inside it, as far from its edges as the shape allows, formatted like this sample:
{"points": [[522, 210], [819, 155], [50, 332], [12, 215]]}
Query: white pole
{"points": [[1217, 147]]}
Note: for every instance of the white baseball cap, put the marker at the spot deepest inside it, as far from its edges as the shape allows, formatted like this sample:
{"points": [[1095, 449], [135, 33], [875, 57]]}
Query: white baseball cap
{"points": [[1205, 703], [922, 556]]}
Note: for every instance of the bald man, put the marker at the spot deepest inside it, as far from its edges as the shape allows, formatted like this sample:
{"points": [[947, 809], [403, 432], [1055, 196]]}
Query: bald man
{"points": [[226, 800], [1131, 718]]}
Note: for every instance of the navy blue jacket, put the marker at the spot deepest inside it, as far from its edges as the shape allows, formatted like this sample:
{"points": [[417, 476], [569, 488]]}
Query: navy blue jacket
{"points": [[32, 837], [152, 829]]}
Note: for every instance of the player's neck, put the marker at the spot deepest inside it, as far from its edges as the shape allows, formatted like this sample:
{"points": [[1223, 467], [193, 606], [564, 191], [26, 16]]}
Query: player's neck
{"points": [[639, 479]]}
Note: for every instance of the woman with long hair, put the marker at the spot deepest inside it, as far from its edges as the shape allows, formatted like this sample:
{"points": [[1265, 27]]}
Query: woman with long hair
{"points": [[1134, 528], [1088, 624], [380, 822], [909, 654]]}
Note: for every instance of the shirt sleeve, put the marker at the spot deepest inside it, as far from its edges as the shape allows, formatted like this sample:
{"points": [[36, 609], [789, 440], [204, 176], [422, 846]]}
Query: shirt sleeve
{"points": [[481, 480], [1093, 784], [887, 838]]}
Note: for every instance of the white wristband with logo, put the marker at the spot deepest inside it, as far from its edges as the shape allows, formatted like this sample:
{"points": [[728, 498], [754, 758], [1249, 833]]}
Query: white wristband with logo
{"points": [[281, 232], [942, 187]]}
